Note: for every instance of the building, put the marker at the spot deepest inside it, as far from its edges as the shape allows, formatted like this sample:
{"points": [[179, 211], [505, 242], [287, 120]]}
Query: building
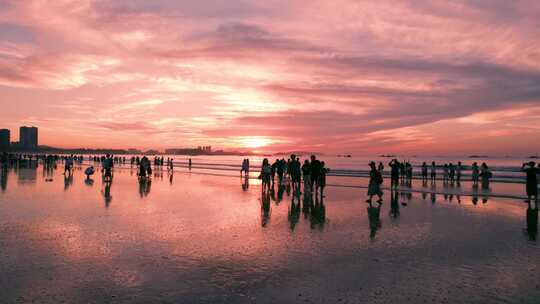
{"points": [[28, 137], [5, 139]]}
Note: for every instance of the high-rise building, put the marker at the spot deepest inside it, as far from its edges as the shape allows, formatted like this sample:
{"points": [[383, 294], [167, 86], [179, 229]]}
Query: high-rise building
{"points": [[4, 139], [28, 137]]}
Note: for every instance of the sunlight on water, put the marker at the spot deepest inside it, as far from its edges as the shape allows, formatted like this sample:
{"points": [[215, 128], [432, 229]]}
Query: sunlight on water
{"points": [[202, 237]]}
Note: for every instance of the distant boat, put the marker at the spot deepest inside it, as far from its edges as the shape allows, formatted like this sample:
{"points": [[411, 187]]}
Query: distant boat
{"points": [[389, 155], [478, 156], [534, 156]]}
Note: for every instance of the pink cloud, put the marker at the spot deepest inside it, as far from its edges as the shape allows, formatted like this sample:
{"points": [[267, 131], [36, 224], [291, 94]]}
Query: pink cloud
{"points": [[323, 75]]}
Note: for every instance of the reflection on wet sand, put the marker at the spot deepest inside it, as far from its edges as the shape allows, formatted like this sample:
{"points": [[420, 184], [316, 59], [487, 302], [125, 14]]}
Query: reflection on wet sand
{"points": [[532, 220], [272, 237]]}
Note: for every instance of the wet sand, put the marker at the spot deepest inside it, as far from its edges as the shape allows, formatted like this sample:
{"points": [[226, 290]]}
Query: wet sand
{"points": [[207, 239]]}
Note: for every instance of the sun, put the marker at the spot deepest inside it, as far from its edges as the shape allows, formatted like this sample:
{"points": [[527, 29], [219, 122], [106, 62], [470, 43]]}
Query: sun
{"points": [[254, 142]]}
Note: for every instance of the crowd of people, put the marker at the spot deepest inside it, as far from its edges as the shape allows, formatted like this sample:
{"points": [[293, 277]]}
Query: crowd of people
{"points": [[312, 172], [308, 175]]}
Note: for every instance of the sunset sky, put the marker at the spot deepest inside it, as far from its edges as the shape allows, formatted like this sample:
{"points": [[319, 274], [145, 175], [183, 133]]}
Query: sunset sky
{"points": [[360, 77]]}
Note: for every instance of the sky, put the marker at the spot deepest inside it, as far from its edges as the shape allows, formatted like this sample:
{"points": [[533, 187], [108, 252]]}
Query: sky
{"points": [[343, 76]]}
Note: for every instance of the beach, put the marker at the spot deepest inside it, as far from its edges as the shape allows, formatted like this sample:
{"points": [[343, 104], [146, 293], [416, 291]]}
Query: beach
{"points": [[209, 237]]}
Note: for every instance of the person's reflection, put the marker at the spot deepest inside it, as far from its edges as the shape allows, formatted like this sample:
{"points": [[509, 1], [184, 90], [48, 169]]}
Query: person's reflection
{"points": [[245, 183], [171, 178], [281, 190], [68, 181], [318, 213], [532, 221], [433, 197], [144, 186], [265, 208], [474, 199], [3, 178], [89, 181], [394, 204], [374, 216], [485, 198], [294, 211], [107, 193], [424, 195], [306, 204]]}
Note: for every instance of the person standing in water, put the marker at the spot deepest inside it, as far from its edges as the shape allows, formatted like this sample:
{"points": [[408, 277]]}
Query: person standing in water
{"points": [[322, 178], [394, 172], [486, 175], [459, 167], [375, 181], [424, 172], [266, 171], [306, 171], [295, 173], [475, 174], [433, 172], [315, 173], [531, 181]]}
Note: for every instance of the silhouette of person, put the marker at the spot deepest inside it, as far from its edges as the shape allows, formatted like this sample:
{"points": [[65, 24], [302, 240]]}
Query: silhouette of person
{"points": [[475, 174], [486, 175], [394, 172], [375, 181], [424, 173], [306, 174], [531, 180], [433, 172], [266, 172]]}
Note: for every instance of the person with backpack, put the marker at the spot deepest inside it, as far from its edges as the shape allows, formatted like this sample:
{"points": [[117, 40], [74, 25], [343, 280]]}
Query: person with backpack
{"points": [[375, 182]]}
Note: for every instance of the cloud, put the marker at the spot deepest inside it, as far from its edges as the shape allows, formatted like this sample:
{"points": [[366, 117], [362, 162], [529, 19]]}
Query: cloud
{"points": [[318, 74]]}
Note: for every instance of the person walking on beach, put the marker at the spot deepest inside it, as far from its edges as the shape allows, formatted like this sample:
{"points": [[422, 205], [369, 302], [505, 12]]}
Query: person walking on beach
{"points": [[394, 172], [322, 178], [266, 171], [452, 173], [375, 181], [274, 168], [475, 174], [306, 171], [445, 174], [315, 173], [171, 165], [243, 169], [531, 180], [295, 173], [424, 172], [433, 172], [280, 171], [107, 168], [486, 175], [145, 170], [459, 167], [380, 167]]}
